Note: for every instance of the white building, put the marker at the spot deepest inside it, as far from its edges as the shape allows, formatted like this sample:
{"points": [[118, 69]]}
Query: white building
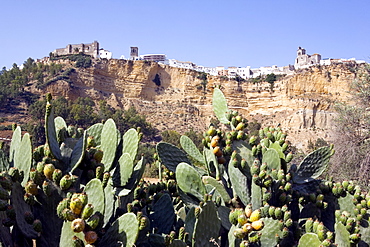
{"points": [[153, 57], [208, 70], [329, 61], [304, 60], [105, 54], [261, 71], [180, 64]]}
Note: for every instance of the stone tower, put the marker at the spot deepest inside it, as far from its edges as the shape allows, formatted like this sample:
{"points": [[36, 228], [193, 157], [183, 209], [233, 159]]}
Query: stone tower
{"points": [[134, 53]]}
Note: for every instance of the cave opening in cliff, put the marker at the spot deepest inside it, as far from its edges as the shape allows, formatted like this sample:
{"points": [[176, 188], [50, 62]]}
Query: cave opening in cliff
{"points": [[157, 80]]}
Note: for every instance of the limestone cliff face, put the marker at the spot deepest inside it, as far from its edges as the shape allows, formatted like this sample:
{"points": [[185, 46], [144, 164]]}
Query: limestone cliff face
{"points": [[173, 98]]}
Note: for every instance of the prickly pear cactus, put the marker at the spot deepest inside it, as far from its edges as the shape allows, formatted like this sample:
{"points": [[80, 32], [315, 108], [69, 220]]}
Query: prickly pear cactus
{"points": [[163, 215], [109, 143], [313, 165], [125, 230], [189, 180], [130, 143], [309, 240], [23, 157], [207, 225], [51, 134], [171, 156], [188, 145], [220, 106]]}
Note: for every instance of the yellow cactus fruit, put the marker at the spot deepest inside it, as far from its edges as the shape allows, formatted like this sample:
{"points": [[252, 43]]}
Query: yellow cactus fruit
{"points": [[48, 170], [217, 151], [256, 215], [248, 210], [258, 225], [214, 141], [242, 219], [247, 228]]}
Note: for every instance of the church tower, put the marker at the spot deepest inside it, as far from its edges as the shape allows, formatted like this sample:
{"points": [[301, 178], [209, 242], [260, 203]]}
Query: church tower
{"points": [[134, 53]]}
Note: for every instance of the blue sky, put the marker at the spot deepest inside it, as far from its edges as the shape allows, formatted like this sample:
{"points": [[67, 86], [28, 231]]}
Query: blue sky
{"points": [[209, 33]]}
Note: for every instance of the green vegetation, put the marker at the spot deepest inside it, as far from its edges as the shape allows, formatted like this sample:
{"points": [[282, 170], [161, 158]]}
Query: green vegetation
{"points": [[203, 77], [353, 132], [83, 113], [82, 60]]}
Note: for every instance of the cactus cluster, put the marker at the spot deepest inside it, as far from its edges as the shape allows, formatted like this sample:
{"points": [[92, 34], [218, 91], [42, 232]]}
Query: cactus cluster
{"points": [[85, 188]]}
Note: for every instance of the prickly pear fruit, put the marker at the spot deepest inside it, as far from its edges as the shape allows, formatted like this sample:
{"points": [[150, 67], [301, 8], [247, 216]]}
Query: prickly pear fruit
{"points": [[98, 155], [67, 214], [257, 225], [256, 215], [93, 221], [29, 198], [46, 187], [65, 182], [61, 206], [77, 242], [78, 225], [28, 216], [37, 225], [87, 211], [143, 223], [76, 205], [14, 174], [239, 233], [309, 225], [106, 176], [91, 237], [247, 227], [254, 237], [48, 170], [31, 187], [57, 175], [248, 210], [233, 216], [242, 219], [10, 211]]}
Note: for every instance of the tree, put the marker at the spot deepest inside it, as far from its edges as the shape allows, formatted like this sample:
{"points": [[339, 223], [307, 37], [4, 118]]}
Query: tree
{"points": [[352, 133], [204, 81]]}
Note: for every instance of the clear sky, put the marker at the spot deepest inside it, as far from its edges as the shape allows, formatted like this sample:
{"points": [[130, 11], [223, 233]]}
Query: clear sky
{"points": [[209, 33]]}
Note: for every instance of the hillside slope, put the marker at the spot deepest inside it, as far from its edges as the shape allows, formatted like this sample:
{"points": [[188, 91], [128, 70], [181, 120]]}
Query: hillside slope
{"points": [[172, 98]]}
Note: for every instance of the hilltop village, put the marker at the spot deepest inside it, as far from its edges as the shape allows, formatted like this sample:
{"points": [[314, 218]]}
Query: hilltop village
{"points": [[302, 61]]}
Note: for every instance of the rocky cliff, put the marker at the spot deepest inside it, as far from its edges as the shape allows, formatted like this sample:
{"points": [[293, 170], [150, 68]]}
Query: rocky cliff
{"points": [[173, 98]]}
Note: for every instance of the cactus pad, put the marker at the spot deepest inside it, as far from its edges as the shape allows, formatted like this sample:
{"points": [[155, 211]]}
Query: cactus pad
{"points": [[109, 137], [188, 145], [239, 183], [171, 156], [313, 165], [220, 106], [123, 171], [163, 215], [130, 143], [189, 181], [23, 157], [51, 135], [95, 194], [272, 158], [309, 240], [207, 225], [16, 141], [219, 187], [95, 131], [78, 152], [125, 229]]}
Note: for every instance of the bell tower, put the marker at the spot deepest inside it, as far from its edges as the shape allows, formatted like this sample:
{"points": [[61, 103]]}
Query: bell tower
{"points": [[134, 53]]}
